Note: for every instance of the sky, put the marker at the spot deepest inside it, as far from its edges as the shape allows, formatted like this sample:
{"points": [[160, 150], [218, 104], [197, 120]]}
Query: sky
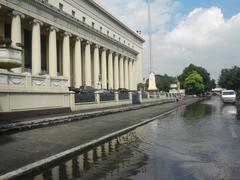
{"points": [[202, 32]]}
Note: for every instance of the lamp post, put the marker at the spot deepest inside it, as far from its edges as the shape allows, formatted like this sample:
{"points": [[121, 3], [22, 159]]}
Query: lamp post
{"points": [[152, 81]]}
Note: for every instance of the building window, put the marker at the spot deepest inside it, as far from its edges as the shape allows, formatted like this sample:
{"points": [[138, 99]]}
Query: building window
{"points": [[61, 6], [73, 13], [93, 24], [83, 19]]}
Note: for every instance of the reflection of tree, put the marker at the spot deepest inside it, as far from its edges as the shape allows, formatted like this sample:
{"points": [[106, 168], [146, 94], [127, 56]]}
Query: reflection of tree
{"points": [[196, 111]]}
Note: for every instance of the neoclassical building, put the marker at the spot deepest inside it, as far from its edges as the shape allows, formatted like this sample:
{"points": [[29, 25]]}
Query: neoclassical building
{"points": [[61, 43]]}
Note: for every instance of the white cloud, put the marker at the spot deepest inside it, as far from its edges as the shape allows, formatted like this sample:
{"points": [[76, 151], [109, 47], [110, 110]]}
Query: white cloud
{"points": [[203, 37]]}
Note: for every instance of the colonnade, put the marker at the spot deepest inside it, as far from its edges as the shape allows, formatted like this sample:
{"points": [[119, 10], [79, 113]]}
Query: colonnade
{"points": [[93, 65]]}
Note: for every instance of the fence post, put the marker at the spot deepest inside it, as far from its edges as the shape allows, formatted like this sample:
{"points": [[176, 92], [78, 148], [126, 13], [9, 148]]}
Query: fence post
{"points": [[140, 96], [97, 97], [148, 95], [130, 96], [116, 96], [72, 101]]}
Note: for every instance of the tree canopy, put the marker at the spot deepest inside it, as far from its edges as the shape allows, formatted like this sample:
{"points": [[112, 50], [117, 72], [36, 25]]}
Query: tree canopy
{"points": [[230, 78], [207, 82], [194, 83]]}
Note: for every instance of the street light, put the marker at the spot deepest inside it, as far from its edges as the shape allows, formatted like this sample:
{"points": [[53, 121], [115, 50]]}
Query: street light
{"points": [[151, 82]]}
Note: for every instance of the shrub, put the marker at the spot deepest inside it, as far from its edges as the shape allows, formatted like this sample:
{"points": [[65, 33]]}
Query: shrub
{"points": [[5, 42]]}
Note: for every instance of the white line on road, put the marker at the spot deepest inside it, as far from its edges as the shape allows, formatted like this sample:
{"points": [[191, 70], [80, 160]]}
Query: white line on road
{"points": [[234, 134]]}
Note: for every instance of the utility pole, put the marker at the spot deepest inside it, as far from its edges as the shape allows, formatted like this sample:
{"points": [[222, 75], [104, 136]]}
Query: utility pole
{"points": [[151, 83]]}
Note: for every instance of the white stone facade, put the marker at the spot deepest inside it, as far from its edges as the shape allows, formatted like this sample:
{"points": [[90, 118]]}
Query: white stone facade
{"points": [[68, 43]]}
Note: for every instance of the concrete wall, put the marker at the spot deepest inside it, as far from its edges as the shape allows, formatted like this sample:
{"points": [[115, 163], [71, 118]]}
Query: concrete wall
{"points": [[86, 106], [15, 101]]}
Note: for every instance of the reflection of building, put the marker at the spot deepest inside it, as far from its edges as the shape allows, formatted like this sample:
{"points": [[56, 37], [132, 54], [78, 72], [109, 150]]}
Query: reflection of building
{"points": [[65, 43], [175, 89]]}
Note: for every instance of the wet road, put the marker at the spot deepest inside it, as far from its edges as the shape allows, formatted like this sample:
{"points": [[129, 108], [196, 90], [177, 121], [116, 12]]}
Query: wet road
{"points": [[201, 141]]}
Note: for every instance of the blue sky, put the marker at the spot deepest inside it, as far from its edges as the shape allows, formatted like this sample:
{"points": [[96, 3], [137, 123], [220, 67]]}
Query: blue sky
{"points": [[229, 7]]}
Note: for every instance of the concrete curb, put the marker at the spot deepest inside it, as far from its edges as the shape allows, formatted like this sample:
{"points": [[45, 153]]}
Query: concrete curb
{"points": [[44, 162], [26, 125]]}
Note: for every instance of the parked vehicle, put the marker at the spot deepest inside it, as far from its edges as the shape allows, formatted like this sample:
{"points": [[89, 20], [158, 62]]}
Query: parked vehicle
{"points": [[103, 91], [228, 96], [71, 88], [123, 90], [86, 89]]}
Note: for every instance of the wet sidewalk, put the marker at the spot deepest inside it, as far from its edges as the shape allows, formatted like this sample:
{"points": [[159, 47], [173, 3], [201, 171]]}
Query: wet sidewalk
{"points": [[7, 126], [22, 148]]}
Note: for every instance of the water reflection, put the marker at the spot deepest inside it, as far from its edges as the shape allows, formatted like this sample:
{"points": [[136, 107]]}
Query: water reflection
{"points": [[102, 162], [198, 111]]}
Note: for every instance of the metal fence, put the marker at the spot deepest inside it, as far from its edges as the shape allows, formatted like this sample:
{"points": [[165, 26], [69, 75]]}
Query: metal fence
{"points": [[123, 96], [107, 97], [144, 95], [84, 97]]}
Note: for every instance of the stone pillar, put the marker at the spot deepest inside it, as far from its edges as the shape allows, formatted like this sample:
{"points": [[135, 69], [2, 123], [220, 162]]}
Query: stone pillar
{"points": [[116, 72], [66, 56], [121, 72], [134, 75], [130, 68], [110, 70], [77, 63], [104, 68], [16, 33], [116, 96], [126, 79], [36, 47], [52, 52], [97, 97], [87, 62], [96, 69]]}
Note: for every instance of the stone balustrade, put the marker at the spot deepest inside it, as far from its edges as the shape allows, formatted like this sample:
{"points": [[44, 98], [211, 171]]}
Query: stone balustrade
{"points": [[25, 80]]}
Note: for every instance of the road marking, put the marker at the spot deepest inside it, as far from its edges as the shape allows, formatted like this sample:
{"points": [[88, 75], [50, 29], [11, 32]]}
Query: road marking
{"points": [[234, 134]]}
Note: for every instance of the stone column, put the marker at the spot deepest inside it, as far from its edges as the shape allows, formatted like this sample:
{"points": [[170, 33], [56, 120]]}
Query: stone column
{"points": [[16, 32], [66, 56], [87, 62], [130, 66], [121, 72], [104, 68], [96, 69], [116, 72], [126, 79], [52, 52], [134, 75], [110, 70], [77, 63], [36, 47]]}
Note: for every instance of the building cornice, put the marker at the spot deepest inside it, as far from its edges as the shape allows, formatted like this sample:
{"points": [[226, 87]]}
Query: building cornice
{"points": [[84, 26], [116, 20], [63, 21]]}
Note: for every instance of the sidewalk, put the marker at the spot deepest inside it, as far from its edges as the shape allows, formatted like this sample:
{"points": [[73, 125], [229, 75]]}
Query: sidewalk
{"points": [[42, 121], [22, 148]]}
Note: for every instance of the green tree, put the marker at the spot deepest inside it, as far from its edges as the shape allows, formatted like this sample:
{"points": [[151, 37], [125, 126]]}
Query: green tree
{"points": [[194, 83], [230, 78], [207, 82]]}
